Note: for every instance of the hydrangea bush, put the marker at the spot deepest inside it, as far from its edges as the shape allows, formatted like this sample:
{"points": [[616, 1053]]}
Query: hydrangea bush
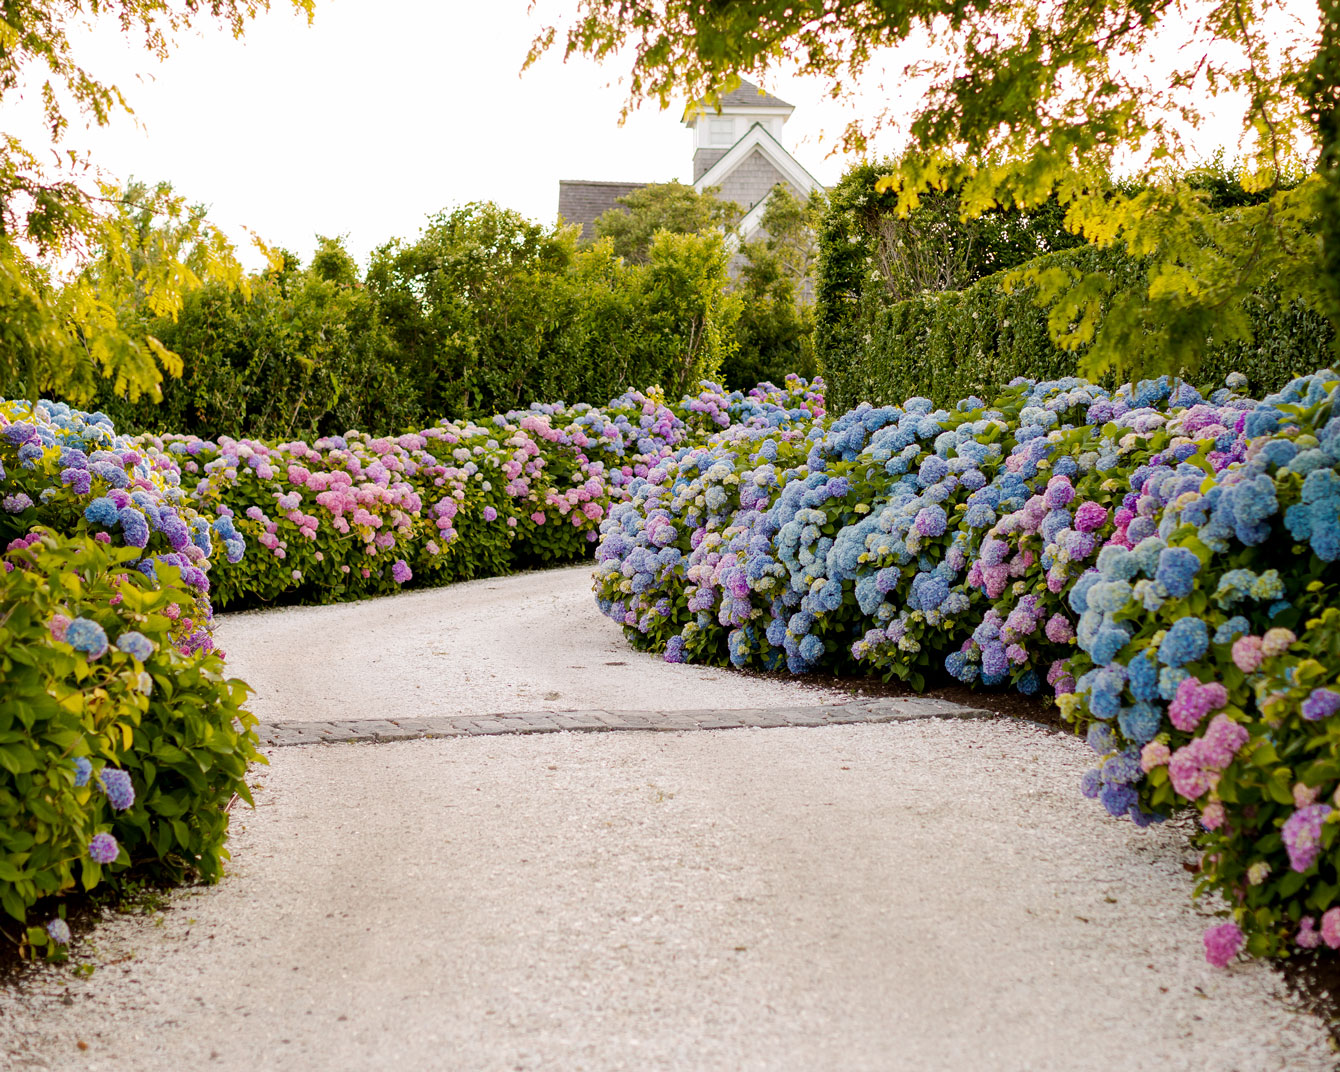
{"points": [[121, 743], [1157, 559], [354, 515], [121, 739]]}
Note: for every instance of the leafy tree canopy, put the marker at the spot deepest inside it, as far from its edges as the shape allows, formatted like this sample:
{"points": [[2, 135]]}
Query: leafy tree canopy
{"points": [[776, 282], [1031, 101], [71, 249], [663, 206]]}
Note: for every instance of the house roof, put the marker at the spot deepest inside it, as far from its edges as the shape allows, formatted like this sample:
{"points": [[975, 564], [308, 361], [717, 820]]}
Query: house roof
{"points": [[584, 201], [745, 96], [758, 137]]}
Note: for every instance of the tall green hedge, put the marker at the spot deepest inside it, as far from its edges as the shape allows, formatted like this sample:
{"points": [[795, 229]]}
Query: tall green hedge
{"points": [[978, 333], [976, 340], [484, 312]]}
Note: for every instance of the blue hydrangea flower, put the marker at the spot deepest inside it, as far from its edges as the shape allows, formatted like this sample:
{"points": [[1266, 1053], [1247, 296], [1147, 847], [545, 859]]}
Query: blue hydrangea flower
{"points": [[136, 645], [1185, 642], [1177, 571], [101, 511], [86, 635], [1140, 722], [83, 770]]}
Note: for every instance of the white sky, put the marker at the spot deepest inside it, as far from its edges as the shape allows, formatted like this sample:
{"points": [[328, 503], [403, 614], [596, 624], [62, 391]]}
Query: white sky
{"points": [[385, 111]]}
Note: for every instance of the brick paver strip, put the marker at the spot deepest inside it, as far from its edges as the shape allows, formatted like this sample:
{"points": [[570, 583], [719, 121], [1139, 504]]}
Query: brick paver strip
{"points": [[900, 709]]}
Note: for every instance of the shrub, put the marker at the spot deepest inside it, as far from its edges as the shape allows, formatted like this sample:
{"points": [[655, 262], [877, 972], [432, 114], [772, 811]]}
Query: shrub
{"points": [[1161, 560], [117, 750], [980, 338]]}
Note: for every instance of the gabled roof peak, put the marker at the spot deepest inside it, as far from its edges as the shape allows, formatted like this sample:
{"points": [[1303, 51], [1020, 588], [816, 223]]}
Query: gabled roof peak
{"points": [[744, 97]]}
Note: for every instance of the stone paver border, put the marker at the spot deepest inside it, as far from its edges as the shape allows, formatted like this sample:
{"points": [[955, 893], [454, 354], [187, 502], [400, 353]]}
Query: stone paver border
{"points": [[899, 709]]}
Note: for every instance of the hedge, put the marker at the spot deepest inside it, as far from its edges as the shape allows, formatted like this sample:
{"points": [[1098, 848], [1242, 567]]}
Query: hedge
{"points": [[121, 740], [1165, 562], [979, 339]]}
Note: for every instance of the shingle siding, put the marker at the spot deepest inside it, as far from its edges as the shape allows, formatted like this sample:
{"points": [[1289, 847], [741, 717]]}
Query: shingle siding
{"points": [[703, 159], [751, 180], [584, 202]]}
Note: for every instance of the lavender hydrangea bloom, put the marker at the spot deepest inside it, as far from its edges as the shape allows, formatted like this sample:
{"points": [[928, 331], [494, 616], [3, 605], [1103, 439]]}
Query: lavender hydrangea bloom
{"points": [[118, 787], [1322, 703], [103, 849], [400, 571], [134, 527], [136, 645], [1302, 835], [83, 771], [59, 931]]}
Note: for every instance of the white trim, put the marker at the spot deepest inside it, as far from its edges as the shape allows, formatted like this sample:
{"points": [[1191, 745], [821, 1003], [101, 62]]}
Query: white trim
{"points": [[753, 220], [757, 137]]}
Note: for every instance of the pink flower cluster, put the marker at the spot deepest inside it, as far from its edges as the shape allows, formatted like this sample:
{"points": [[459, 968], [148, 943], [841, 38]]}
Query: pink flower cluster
{"points": [[1195, 767]]}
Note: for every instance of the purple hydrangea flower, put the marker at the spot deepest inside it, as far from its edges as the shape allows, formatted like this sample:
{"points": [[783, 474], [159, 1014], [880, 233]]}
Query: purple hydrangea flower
{"points": [[59, 931], [400, 570], [103, 849], [134, 527], [490, 514], [83, 770], [1302, 835], [1322, 703], [118, 787]]}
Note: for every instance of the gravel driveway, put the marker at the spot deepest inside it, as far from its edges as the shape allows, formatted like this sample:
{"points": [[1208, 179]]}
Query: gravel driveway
{"points": [[917, 896]]}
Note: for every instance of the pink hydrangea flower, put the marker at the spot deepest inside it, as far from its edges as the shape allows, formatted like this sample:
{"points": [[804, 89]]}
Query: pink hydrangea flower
{"points": [[1247, 653], [1194, 701], [1330, 927], [1304, 795], [1154, 754], [1277, 641], [1090, 517], [1307, 936], [1223, 943]]}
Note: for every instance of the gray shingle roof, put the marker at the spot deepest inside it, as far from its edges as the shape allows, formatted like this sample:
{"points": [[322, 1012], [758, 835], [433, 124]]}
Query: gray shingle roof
{"points": [[748, 95], [583, 201]]}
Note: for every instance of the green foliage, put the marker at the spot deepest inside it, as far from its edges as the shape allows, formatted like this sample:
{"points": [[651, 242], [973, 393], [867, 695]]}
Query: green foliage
{"points": [[978, 339], [487, 311], [295, 353], [1020, 110], [72, 336], [775, 284], [61, 330], [664, 206], [172, 722]]}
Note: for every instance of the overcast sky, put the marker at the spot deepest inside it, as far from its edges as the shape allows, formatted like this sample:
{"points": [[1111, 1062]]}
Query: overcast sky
{"points": [[384, 111]]}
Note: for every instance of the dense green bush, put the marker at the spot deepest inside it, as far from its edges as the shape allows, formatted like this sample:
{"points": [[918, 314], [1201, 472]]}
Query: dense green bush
{"points": [[94, 682], [980, 338], [301, 352], [484, 312], [937, 306]]}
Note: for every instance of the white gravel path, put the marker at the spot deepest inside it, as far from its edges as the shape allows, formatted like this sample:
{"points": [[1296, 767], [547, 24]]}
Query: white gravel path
{"points": [[532, 642], [919, 896]]}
